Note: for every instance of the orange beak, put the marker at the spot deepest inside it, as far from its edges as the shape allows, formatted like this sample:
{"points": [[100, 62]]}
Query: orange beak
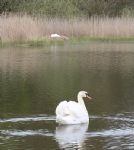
{"points": [[89, 97]]}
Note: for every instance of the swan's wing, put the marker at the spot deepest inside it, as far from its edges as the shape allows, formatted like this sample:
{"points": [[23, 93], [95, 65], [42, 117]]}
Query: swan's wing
{"points": [[62, 108], [75, 109], [69, 108]]}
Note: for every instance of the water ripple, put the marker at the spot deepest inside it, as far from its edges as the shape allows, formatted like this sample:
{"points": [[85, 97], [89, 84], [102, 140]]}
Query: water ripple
{"points": [[112, 133], [53, 118], [22, 133], [29, 119], [117, 118]]}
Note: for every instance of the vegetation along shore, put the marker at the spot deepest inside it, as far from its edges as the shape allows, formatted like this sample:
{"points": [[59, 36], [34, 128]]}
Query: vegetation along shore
{"points": [[26, 28], [34, 21]]}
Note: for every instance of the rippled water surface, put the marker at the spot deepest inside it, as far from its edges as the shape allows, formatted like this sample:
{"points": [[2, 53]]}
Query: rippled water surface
{"points": [[34, 80]]}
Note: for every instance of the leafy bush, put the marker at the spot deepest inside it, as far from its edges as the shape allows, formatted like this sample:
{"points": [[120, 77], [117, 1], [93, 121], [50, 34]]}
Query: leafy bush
{"points": [[68, 8]]}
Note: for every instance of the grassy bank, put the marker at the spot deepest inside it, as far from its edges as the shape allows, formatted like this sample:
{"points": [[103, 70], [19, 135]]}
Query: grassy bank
{"points": [[23, 29]]}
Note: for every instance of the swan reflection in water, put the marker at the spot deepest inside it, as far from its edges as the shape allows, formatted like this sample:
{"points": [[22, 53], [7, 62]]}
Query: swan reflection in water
{"points": [[71, 136]]}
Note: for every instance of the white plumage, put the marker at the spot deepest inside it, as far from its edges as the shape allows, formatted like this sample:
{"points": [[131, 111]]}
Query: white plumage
{"points": [[55, 35], [73, 112]]}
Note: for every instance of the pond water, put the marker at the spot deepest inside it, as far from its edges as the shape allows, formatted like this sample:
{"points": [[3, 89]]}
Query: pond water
{"points": [[34, 80]]}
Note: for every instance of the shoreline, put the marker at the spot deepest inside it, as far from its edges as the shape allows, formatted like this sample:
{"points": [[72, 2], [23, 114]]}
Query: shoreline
{"points": [[41, 42], [41, 31]]}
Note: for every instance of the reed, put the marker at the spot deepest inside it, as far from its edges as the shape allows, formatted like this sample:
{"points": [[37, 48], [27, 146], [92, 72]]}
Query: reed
{"points": [[25, 28]]}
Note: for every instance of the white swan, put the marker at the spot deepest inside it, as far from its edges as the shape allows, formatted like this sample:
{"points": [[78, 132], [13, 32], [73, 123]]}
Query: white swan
{"points": [[55, 36], [73, 112]]}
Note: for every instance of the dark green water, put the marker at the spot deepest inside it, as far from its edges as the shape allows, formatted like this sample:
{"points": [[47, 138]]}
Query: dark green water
{"points": [[34, 80]]}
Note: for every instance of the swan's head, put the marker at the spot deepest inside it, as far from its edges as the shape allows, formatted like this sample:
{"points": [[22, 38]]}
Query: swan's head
{"points": [[84, 94]]}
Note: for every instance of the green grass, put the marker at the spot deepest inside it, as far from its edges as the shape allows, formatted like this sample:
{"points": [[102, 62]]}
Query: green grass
{"points": [[103, 39], [72, 40]]}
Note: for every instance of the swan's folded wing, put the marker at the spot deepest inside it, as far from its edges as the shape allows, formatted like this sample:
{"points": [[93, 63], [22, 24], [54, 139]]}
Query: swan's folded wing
{"points": [[62, 109], [70, 108], [76, 109]]}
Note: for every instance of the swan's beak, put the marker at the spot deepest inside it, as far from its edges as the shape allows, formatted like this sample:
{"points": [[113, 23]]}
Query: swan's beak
{"points": [[87, 95]]}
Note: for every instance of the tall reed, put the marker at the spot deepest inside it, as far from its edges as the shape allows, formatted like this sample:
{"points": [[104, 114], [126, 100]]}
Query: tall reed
{"points": [[17, 27]]}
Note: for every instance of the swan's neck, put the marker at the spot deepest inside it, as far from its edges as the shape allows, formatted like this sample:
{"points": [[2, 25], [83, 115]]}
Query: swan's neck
{"points": [[81, 101]]}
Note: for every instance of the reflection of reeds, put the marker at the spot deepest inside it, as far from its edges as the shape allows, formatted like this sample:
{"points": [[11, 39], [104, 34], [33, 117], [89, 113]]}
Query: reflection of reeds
{"points": [[13, 27]]}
